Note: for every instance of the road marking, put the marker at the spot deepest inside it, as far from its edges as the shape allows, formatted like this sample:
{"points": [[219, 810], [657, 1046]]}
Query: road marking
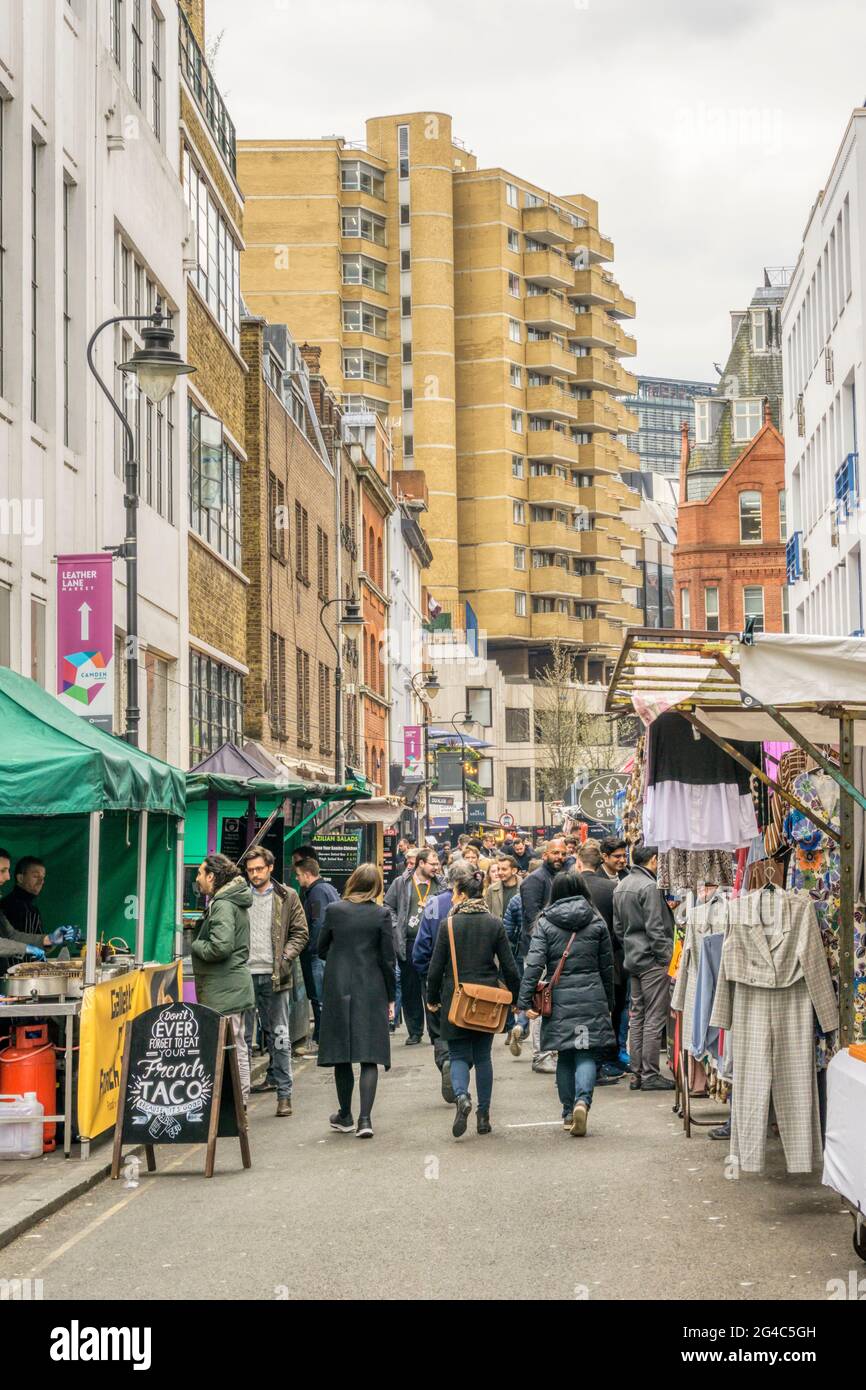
{"points": [[535, 1124]]}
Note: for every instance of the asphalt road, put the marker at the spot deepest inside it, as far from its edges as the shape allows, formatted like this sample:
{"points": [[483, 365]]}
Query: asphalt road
{"points": [[633, 1211]]}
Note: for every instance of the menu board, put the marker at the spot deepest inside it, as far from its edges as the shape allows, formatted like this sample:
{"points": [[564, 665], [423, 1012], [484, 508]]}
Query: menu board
{"points": [[389, 855], [339, 852]]}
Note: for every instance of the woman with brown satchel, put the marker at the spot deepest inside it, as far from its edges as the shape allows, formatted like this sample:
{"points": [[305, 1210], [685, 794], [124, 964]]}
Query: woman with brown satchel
{"points": [[571, 943], [470, 959]]}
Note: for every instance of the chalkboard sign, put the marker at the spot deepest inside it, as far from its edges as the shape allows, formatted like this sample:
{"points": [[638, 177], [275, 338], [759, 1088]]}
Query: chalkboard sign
{"points": [[180, 1083], [339, 852], [389, 856], [234, 839]]}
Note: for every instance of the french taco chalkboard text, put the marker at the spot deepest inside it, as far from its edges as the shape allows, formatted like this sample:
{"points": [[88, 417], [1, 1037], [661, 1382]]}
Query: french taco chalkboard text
{"points": [[180, 1084]]}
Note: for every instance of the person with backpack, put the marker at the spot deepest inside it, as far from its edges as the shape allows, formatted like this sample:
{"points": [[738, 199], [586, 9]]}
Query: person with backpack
{"points": [[571, 945]]}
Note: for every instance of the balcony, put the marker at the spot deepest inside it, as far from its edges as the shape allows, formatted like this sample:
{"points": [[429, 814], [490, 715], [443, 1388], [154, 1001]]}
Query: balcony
{"points": [[597, 501], [546, 225], [549, 626], [794, 557], [622, 307], [598, 247], [594, 329], [624, 345], [554, 535], [552, 491], [606, 456], [601, 632], [846, 489], [203, 87], [600, 372], [593, 287], [547, 355], [598, 545], [550, 402], [548, 268], [598, 414], [552, 313], [554, 580], [552, 446], [599, 587]]}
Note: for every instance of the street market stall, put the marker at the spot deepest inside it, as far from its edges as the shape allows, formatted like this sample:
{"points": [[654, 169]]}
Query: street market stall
{"points": [[753, 765], [106, 819]]}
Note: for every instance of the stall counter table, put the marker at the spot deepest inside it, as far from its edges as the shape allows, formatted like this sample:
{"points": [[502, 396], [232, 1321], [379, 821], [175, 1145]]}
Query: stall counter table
{"points": [[67, 1009]]}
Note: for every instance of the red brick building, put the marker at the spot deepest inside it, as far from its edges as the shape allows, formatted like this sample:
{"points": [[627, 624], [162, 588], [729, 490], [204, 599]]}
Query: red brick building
{"points": [[729, 560]]}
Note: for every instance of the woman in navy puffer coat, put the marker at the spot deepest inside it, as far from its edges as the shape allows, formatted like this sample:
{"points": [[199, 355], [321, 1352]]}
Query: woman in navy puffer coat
{"points": [[579, 1028]]}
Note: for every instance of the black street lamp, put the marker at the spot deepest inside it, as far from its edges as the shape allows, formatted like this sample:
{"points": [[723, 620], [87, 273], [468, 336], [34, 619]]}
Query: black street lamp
{"points": [[466, 720], [430, 688], [353, 618], [157, 367]]}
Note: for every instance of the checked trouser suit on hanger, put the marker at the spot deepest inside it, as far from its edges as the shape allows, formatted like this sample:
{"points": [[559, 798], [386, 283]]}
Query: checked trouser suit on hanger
{"points": [[773, 975]]}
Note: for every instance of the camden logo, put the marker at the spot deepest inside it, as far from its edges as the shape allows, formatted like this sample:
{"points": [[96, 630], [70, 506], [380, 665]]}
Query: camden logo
{"points": [[170, 1084], [77, 1343]]}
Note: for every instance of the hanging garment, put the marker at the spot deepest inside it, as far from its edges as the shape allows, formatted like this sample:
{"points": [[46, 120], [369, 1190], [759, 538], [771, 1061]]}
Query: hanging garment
{"points": [[815, 869], [687, 870], [697, 797], [704, 919], [790, 764], [773, 974], [632, 822], [705, 1036]]}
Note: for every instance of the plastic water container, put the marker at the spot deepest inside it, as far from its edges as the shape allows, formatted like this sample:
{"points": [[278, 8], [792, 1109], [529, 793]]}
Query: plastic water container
{"points": [[21, 1137]]}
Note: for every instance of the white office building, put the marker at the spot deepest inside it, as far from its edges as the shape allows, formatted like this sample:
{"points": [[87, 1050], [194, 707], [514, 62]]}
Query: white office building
{"points": [[92, 225], [824, 396]]}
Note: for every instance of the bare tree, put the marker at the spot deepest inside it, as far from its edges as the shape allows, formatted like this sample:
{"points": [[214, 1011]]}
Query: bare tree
{"points": [[573, 741]]}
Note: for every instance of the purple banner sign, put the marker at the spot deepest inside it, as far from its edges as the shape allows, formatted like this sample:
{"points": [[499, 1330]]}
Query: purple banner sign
{"points": [[85, 636], [413, 756]]}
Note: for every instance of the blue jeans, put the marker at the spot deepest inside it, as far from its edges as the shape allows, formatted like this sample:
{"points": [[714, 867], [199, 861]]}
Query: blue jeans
{"points": [[466, 1053], [273, 1009], [576, 1072], [318, 968]]}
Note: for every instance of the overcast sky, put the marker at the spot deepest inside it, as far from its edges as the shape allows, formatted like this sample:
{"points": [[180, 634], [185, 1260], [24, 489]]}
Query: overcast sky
{"points": [[704, 128]]}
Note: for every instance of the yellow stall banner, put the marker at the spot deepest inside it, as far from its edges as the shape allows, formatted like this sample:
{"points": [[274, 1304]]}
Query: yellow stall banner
{"points": [[105, 1011]]}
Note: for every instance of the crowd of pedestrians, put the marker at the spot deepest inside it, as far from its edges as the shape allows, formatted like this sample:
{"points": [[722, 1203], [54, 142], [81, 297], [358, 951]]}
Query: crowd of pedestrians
{"points": [[563, 946]]}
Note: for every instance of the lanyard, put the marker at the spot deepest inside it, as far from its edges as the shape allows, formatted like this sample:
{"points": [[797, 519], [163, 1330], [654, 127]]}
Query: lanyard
{"points": [[421, 900]]}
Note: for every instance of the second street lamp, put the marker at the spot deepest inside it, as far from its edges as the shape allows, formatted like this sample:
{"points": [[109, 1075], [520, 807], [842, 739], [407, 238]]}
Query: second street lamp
{"points": [[353, 617], [466, 720], [157, 366], [430, 688]]}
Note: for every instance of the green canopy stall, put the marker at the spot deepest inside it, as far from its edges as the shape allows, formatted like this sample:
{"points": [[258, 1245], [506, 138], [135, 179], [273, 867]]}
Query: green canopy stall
{"points": [[105, 817]]}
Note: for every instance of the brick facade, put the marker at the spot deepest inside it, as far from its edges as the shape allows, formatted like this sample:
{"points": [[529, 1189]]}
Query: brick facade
{"points": [[710, 554]]}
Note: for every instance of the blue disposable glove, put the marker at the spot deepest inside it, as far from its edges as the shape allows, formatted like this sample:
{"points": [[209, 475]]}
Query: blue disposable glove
{"points": [[61, 934], [36, 952]]}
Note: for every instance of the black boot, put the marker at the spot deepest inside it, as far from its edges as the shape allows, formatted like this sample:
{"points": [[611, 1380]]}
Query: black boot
{"points": [[464, 1107], [482, 1119]]}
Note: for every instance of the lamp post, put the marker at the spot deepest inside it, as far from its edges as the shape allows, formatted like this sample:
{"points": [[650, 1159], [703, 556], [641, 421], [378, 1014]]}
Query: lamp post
{"points": [[353, 618], [157, 367], [466, 719], [430, 689]]}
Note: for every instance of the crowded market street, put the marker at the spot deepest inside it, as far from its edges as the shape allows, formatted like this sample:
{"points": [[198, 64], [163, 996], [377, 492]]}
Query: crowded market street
{"points": [[633, 1211]]}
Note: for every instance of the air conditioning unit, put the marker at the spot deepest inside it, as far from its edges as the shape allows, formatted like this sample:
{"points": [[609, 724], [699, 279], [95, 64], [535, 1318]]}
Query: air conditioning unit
{"points": [[828, 365]]}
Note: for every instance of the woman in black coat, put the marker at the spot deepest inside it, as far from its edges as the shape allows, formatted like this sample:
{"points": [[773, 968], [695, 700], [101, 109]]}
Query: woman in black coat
{"points": [[484, 957], [357, 944], [579, 1028]]}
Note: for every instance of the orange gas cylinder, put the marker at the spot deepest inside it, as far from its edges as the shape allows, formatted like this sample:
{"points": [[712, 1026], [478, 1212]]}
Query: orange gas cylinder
{"points": [[30, 1065]]}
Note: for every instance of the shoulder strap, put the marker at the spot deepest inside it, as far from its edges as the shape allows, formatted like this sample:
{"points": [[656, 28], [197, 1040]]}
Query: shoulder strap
{"points": [[558, 971], [453, 951]]}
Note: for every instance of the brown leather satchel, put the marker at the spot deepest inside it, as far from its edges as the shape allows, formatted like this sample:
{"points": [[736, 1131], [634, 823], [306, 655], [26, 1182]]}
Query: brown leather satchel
{"points": [[482, 1007], [542, 998]]}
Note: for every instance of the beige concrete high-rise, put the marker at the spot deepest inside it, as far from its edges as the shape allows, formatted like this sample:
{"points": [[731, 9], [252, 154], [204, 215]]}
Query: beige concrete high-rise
{"points": [[471, 307]]}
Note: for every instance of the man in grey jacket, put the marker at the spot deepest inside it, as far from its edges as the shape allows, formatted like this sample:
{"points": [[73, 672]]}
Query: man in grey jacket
{"points": [[405, 900], [644, 926]]}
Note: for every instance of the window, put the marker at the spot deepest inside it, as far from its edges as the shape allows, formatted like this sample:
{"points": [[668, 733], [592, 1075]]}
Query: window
{"points": [[409, 446], [753, 606], [117, 30], [2, 240], [407, 352], [520, 603], [5, 625], [750, 516], [518, 784], [518, 513], [214, 485], [783, 515], [403, 151], [517, 466], [517, 421], [67, 317], [404, 214], [516, 725], [511, 195], [711, 609], [363, 270], [35, 164], [407, 397], [324, 709], [227, 144], [137, 50], [747, 420], [368, 366], [405, 306], [484, 775], [302, 694], [359, 317], [217, 275], [520, 557], [277, 518], [514, 330], [355, 174], [156, 675], [322, 564], [360, 222], [786, 615], [405, 260], [302, 544], [206, 93], [702, 422], [215, 705], [514, 285], [479, 705], [685, 609], [277, 690], [513, 239], [516, 375], [37, 641], [759, 330]]}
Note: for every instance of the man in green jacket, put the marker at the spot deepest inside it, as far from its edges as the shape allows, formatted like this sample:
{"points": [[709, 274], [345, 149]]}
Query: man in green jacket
{"points": [[221, 950]]}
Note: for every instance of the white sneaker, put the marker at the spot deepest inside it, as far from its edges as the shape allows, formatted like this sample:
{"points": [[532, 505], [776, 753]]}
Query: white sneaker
{"points": [[515, 1040], [547, 1064]]}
